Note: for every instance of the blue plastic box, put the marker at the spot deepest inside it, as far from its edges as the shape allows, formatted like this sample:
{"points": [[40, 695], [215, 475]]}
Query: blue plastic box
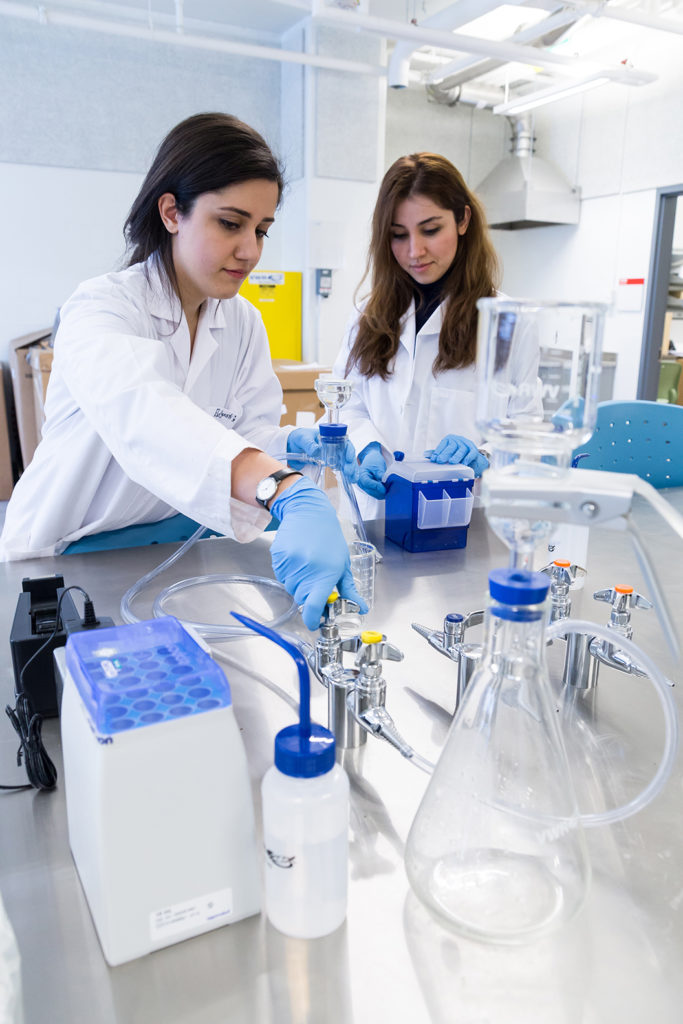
{"points": [[428, 507], [143, 674]]}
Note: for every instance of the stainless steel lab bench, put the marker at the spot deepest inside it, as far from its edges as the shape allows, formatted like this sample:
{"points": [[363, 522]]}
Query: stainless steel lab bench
{"points": [[619, 961]]}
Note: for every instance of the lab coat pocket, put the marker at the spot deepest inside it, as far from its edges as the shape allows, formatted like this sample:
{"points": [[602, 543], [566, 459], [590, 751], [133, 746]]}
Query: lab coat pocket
{"points": [[451, 411]]}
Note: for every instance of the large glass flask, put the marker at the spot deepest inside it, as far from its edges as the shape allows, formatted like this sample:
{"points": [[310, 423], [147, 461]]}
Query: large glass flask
{"points": [[496, 850], [538, 374]]}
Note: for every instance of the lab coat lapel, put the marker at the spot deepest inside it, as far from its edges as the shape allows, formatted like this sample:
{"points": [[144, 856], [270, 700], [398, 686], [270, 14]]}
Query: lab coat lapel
{"points": [[416, 404], [164, 305], [211, 319]]}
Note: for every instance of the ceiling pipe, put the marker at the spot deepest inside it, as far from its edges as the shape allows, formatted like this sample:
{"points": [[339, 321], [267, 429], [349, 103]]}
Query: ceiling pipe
{"points": [[48, 16], [452, 17], [354, 21], [460, 71]]}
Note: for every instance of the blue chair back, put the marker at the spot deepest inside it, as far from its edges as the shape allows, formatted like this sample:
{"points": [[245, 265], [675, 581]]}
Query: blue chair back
{"points": [[644, 438]]}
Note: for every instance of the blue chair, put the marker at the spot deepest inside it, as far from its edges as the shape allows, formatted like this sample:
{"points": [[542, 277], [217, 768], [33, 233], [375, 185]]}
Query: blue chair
{"points": [[644, 438]]}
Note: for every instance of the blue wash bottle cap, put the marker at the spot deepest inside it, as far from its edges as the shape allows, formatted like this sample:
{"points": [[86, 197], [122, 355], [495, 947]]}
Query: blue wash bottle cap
{"points": [[305, 750]]}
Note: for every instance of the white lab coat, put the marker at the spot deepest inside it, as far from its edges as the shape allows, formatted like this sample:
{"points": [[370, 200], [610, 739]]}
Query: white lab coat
{"points": [[413, 409], [136, 429]]}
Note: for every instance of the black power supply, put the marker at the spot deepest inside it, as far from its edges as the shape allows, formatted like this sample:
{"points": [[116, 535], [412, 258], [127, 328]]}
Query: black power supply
{"points": [[44, 618]]}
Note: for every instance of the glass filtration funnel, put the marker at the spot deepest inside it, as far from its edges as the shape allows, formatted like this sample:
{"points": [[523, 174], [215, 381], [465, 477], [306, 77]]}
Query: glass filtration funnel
{"points": [[496, 850], [538, 374], [334, 394]]}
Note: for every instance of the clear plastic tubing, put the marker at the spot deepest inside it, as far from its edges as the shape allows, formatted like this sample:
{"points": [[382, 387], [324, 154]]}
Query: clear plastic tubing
{"points": [[209, 630], [663, 691]]}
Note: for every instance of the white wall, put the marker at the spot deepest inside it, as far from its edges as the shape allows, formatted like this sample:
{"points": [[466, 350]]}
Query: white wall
{"points": [[618, 144], [60, 226], [81, 116]]}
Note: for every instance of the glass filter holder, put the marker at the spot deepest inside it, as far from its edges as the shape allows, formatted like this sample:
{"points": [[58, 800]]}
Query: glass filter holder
{"points": [[538, 375]]}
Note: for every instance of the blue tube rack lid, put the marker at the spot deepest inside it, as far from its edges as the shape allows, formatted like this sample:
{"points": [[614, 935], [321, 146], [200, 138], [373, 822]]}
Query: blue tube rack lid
{"points": [[143, 674], [423, 471]]}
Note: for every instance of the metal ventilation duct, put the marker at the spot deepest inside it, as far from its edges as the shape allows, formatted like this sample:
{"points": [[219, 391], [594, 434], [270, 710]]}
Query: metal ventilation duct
{"points": [[524, 191]]}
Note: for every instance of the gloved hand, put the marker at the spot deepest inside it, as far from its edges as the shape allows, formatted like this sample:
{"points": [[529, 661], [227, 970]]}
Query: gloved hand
{"points": [[570, 414], [309, 554], [372, 468], [307, 441], [458, 451]]}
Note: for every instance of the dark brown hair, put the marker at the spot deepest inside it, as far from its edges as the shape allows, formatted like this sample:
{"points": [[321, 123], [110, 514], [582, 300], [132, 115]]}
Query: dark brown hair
{"points": [[204, 153], [472, 275]]}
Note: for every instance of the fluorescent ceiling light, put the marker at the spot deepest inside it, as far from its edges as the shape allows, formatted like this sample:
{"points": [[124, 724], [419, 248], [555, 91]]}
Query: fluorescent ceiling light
{"points": [[541, 96], [503, 22]]}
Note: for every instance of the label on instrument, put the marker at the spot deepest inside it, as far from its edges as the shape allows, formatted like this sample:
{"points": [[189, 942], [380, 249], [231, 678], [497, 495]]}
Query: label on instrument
{"points": [[190, 915]]}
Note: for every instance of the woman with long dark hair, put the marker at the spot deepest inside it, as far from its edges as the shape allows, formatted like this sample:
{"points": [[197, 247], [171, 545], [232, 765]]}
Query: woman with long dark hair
{"points": [[410, 352], [162, 397]]}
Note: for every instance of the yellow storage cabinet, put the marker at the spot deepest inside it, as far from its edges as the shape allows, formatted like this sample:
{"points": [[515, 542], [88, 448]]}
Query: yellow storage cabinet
{"points": [[277, 296]]}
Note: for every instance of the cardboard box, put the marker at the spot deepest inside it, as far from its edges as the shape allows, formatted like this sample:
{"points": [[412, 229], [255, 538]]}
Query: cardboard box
{"points": [[298, 388], [40, 360], [6, 474], [22, 385]]}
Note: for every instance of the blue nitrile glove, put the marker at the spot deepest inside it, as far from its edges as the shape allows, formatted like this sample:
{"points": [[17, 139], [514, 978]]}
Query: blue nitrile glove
{"points": [[307, 441], [309, 554], [458, 451], [373, 466], [570, 414]]}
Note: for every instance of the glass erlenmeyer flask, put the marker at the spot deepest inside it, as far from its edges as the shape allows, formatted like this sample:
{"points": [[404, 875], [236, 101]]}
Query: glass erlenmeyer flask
{"points": [[496, 849]]}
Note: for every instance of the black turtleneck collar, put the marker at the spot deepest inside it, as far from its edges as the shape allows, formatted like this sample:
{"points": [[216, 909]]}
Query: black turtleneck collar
{"points": [[427, 298]]}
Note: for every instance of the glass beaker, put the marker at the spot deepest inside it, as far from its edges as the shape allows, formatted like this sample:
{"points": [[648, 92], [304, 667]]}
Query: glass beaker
{"points": [[538, 374], [496, 850]]}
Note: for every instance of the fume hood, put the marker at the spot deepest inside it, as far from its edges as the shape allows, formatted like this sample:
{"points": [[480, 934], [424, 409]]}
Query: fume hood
{"points": [[525, 191]]}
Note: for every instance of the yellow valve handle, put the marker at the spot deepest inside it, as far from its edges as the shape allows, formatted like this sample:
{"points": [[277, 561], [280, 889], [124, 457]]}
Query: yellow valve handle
{"points": [[371, 636]]}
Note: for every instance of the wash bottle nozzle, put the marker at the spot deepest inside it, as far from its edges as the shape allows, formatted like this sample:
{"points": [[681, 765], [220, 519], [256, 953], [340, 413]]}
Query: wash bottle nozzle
{"points": [[304, 750]]}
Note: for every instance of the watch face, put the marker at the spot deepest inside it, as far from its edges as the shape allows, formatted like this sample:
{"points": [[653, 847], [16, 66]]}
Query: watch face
{"points": [[266, 488]]}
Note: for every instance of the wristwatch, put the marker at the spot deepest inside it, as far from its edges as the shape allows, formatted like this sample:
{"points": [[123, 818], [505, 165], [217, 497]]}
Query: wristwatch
{"points": [[267, 487]]}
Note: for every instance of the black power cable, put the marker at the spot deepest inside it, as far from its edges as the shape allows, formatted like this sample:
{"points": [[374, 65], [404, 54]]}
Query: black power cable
{"points": [[41, 772]]}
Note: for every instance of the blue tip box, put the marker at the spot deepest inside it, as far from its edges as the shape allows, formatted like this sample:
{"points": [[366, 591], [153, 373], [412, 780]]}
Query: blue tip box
{"points": [[428, 506], [148, 672]]}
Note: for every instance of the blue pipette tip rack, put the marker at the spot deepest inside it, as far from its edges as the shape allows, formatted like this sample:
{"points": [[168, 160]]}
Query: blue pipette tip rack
{"points": [[143, 674]]}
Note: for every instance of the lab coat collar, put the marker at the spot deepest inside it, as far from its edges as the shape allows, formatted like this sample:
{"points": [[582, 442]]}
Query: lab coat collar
{"points": [[164, 304], [432, 326]]}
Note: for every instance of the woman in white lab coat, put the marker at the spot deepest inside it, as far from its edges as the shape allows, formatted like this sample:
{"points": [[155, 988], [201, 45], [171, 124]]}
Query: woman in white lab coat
{"points": [[162, 397], [410, 351]]}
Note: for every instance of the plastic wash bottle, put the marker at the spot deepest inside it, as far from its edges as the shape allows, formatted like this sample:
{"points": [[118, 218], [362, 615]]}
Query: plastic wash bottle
{"points": [[305, 800]]}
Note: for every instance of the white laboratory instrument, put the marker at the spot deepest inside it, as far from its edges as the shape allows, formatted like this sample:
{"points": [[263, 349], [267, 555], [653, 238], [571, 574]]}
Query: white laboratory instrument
{"points": [[159, 805]]}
